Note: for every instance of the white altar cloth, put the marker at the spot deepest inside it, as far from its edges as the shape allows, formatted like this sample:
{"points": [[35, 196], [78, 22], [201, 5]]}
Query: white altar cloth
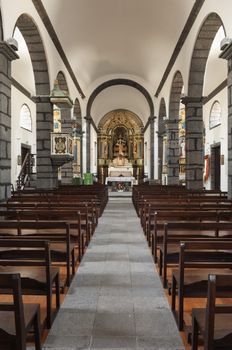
{"points": [[120, 179]]}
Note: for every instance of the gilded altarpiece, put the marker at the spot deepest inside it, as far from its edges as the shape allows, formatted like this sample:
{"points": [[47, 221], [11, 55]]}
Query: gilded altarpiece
{"points": [[120, 144]]}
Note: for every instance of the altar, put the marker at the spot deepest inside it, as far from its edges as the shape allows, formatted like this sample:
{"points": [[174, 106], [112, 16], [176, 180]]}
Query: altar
{"points": [[120, 179], [120, 175]]}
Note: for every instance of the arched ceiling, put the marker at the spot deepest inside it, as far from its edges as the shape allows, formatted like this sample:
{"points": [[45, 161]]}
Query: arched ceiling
{"points": [[120, 97], [112, 37]]}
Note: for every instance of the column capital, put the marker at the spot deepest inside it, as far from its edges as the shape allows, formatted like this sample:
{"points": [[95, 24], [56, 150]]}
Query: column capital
{"points": [[152, 118], [189, 99], [227, 52], [7, 51], [41, 99]]}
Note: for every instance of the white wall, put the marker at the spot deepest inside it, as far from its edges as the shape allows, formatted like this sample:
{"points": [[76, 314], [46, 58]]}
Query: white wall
{"points": [[216, 135], [19, 135]]}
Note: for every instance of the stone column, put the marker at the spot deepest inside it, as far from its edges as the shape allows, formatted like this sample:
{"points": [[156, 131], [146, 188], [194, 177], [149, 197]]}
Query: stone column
{"points": [[7, 55], [173, 151], [88, 142], [66, 127], [227, 55], [152, 146], [194, 142], [47, 173]]}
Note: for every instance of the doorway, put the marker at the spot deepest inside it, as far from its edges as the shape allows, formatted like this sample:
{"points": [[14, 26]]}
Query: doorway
{"points": [[215, 166], [24, 151]]}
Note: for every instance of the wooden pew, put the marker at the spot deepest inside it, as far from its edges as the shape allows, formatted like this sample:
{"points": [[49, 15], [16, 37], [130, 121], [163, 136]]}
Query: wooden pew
{"points": [[155, 236], [175, 232], [56, 232], [37, 275], [215, 322], [17, 318], [192, 275]]}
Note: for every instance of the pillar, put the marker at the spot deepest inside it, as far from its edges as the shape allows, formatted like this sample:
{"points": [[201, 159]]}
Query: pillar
{"points": [[47, 173], [173, 151], [194, 142], [227, 55], [66, 127], [152, 146], [88, 145], [7, 55]]}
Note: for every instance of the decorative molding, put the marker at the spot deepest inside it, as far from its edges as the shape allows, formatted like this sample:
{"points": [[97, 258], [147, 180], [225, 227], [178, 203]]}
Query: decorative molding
{"points": [[184, 34], [188, 99], [227, 52], [218, 89], [51, 31], [7, 51], [22, 89], [120, 117]]}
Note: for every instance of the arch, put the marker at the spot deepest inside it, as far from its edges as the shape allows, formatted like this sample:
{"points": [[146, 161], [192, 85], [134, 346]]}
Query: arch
{"points": [[124, 117], [175, 95], [1, 27], [62, 82], [115, 82], [31, 36], [200, 54]]}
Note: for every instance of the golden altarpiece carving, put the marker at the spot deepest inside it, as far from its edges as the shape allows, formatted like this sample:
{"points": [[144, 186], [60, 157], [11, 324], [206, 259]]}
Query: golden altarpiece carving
{"points": [[120, 145]]}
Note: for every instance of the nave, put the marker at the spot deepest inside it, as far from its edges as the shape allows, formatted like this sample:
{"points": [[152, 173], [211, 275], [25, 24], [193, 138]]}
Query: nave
{"points": [[116, 300]]}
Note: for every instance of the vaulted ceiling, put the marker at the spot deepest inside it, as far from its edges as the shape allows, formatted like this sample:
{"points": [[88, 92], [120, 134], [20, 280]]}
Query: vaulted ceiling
{"points": [[115, 38]]}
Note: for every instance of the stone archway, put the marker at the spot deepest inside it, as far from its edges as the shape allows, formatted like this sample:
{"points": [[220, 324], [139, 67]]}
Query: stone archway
{"points": [[46, 172], [151, 119], [173, 130], [120, 142], [193, 103], [161, 138]]}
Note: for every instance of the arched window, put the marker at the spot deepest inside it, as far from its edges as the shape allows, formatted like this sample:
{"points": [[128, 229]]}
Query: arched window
{"points": [[25, 118], [215, 115]]}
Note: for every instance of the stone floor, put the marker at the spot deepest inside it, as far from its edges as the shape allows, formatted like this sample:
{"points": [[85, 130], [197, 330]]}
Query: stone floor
{"points": [[116, 300]]}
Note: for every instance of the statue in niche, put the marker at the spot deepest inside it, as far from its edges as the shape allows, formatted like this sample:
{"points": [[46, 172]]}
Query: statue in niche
{"points": [[120, 143], [135, 149], [105, 149]]}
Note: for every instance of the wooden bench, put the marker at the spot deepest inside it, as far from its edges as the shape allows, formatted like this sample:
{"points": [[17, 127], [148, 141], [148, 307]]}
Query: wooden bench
{"points": [[191, 278], [215, 322], [155, 235], [175, 232], [32, 260], [17, 318], [56, 232]]}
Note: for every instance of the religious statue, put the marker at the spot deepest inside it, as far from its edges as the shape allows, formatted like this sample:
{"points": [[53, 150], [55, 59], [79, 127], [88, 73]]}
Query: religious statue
{"points": [[105, 149], [135, 149], [120, 143]]}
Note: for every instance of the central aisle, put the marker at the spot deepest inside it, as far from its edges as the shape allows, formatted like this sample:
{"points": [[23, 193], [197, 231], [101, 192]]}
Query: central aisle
{"points": [[116, 300]]}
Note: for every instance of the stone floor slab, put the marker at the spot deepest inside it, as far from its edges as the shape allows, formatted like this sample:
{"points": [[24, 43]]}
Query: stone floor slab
{"points": [[116, 300]]}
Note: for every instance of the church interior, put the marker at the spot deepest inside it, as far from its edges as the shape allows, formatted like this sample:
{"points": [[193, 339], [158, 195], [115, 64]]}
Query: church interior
{"points": [[115, 174]]}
